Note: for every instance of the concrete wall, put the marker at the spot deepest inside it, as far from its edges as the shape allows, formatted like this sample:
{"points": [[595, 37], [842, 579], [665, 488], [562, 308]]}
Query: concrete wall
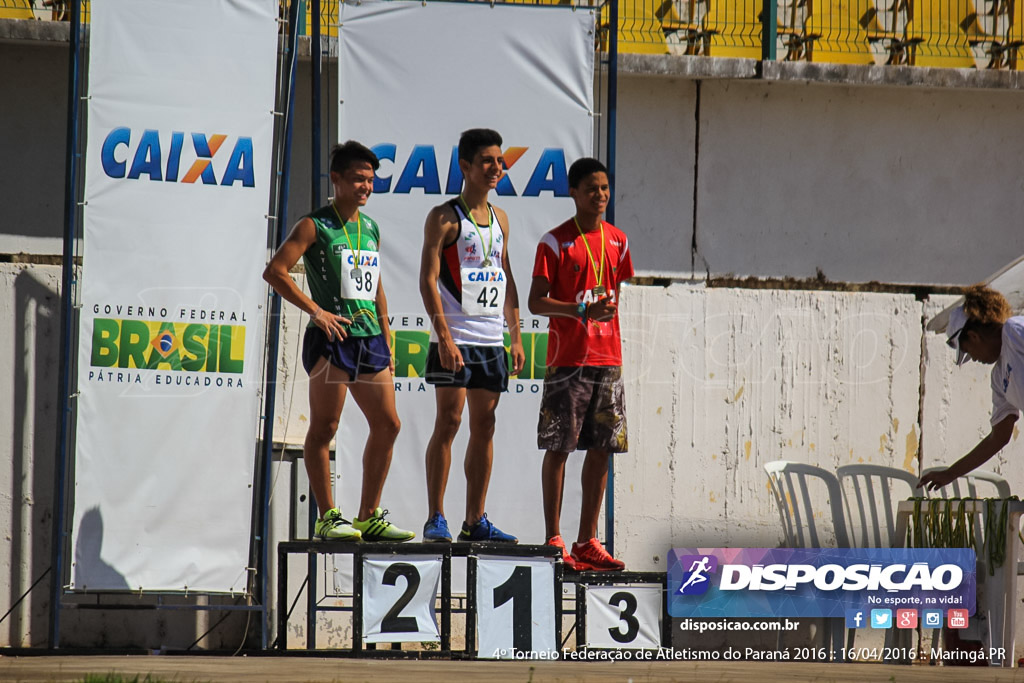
{"points": [[29, 349], [724, 380], [33, 122], [863, 183], [898, 185]]}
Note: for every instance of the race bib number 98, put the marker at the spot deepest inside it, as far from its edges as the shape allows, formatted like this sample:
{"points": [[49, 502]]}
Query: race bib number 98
{"points": [[359, 281], [483, 291]]}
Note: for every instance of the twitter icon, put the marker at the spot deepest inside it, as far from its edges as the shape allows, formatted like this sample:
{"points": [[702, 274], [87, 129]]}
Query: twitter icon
{"points": [[881, 618]]}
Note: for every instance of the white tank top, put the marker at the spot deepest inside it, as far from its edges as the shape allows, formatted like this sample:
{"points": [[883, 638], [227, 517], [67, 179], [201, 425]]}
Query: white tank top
{"points": [[467, 251]]}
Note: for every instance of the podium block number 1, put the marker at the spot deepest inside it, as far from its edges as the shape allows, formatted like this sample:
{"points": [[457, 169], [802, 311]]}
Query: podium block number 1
{"points": [[519, 590], [515, 606]]}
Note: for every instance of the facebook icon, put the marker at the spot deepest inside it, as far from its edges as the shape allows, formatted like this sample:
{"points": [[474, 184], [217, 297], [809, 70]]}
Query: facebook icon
{"points": [[854, 618]]}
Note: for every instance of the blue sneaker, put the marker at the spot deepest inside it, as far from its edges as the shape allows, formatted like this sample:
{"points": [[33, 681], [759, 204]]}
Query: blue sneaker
{"points": [[485, 531], [436, 530]]}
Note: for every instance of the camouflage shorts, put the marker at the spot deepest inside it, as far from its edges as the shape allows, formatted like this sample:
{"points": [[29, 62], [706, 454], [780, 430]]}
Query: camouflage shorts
{"points": [[583, 408]]}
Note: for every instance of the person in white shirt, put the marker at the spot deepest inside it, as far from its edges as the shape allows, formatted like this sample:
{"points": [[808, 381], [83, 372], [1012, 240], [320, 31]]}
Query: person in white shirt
{"points": [[982, 330]]}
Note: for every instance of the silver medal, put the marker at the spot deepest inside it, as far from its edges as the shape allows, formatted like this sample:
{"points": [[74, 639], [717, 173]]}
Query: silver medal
{"points": [[356, 273]]}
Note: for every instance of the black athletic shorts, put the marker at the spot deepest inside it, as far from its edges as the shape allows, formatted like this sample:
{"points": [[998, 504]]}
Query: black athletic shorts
{"points": [[355, 355], [484, 367]]}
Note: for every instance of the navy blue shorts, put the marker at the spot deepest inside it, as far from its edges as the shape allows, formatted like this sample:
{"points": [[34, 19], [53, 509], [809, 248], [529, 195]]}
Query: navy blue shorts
{"points": [[354, 355], [484, 367]]}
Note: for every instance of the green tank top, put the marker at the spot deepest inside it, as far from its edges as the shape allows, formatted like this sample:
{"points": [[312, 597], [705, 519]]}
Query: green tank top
{"points": [[323, 268]]}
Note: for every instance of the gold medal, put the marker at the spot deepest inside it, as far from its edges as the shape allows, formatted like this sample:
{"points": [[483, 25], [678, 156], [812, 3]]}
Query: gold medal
{"points": [[599, 291]]}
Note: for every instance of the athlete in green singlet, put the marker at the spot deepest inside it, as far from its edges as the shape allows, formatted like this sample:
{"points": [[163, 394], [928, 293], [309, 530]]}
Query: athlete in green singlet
{"points": [[347, 346]]}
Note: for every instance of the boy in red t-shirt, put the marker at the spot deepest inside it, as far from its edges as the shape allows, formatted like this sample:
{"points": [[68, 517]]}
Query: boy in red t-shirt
{"points": [[576, 277]]}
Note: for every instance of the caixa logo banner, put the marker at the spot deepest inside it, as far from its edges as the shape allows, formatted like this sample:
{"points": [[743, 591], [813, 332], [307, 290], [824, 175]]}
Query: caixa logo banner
{"points": [[169, 158], [402, 171], [816, 582]]}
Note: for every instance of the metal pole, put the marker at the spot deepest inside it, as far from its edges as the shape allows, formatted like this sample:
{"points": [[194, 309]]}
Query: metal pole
{"points": [[769, 29], [274, 327], [67, 310], [613, 94], [315, 53]]}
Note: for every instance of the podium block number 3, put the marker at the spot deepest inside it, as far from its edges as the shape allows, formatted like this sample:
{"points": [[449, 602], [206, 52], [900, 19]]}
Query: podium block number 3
{"points": [[624, 617], [399, 599], [515, 606]]}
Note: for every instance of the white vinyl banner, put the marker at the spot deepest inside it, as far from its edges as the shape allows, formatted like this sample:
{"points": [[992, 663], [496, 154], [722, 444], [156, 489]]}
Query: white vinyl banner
{"points": [[412, 77], [177, 186]]}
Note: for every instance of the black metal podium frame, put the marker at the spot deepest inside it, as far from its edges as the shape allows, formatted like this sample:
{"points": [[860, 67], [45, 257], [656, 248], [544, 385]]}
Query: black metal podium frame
{"points": [[358, 551]]}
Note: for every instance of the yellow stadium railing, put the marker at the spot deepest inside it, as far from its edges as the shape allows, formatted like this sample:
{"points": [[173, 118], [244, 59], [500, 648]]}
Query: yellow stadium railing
{"points": [[834, 32], [963, 34], [934, 35], [16, 9]]}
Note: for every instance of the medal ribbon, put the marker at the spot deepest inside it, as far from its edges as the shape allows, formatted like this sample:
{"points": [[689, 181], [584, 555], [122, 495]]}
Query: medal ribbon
{"points": [[358, 249], [598, 273], [490, 241]]}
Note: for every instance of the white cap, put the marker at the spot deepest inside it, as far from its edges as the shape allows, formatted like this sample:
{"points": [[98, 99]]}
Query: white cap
{"points": [[957, 320]]}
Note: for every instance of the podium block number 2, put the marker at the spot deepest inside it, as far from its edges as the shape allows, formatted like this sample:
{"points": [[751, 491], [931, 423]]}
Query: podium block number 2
{"points": [[393, 623], [624, 617], [399, 599], [515, 606]]}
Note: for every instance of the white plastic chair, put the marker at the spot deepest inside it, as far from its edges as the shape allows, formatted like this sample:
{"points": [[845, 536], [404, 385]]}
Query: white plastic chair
{"points": [[871, 494], [791, 486], [972, 485]]}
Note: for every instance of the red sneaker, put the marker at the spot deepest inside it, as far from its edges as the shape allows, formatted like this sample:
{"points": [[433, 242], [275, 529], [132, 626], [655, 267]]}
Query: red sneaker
{"points": [[591, 556], [567, 560]]}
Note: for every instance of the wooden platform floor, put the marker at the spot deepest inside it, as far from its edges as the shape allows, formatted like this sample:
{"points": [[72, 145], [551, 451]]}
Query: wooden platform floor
{"points": [[293, 669]]}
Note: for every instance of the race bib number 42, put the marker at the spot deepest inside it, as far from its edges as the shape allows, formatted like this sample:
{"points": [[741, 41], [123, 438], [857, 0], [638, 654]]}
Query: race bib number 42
{"points": [[483, 291], [360, 280]]}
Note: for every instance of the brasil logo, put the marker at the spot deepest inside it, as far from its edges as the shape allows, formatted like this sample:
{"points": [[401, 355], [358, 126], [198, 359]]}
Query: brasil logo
{"points": [[165, 345]]}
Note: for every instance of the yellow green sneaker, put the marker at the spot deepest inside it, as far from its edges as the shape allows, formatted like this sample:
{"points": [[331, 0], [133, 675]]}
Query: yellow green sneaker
{"points": [[333, 527], [376, 528]]}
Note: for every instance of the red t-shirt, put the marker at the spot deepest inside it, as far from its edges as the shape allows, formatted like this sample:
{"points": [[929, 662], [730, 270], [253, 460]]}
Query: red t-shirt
{"points": [[563, 260]]}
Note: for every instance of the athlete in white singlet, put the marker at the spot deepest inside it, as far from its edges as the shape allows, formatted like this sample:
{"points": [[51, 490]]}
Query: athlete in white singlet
{"points": [[469, 293]]}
